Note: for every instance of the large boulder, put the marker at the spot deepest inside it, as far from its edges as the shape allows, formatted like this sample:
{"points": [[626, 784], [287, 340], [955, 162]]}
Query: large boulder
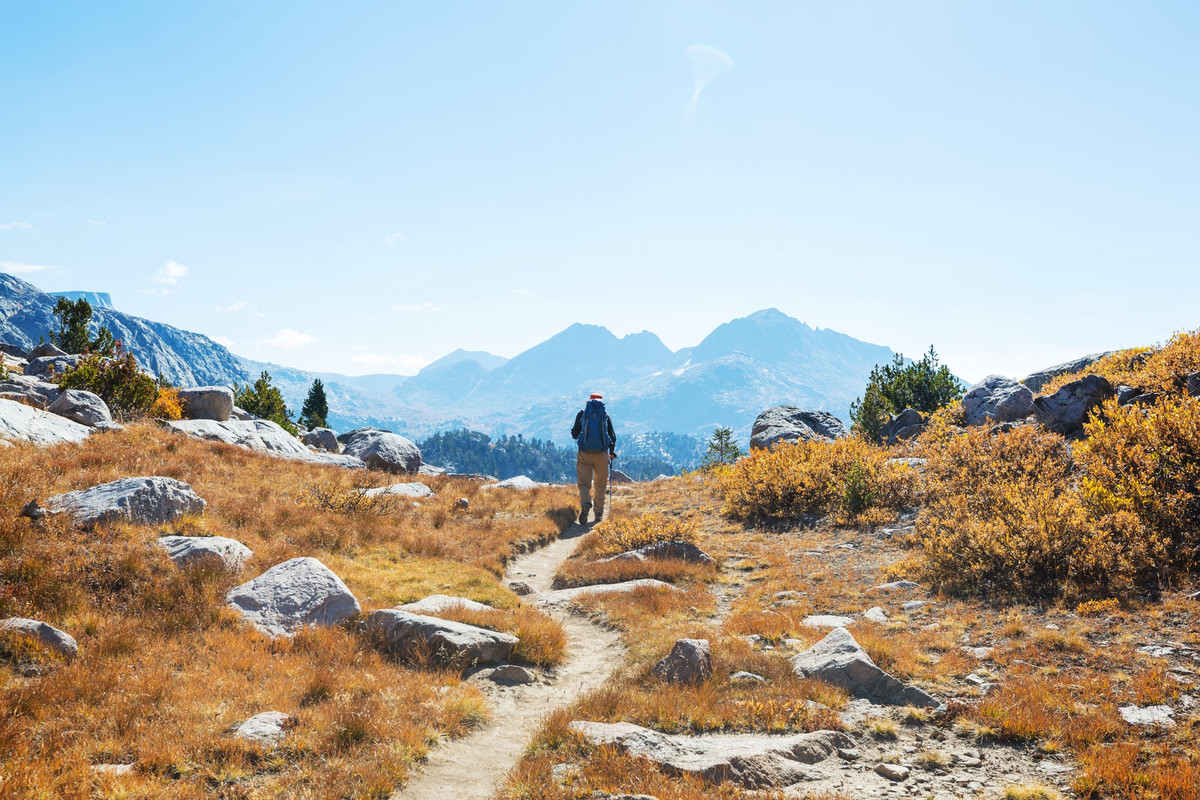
{"points": [[218, 551], [905, 425], [749, 760], [409, 635], [1066, 410], [207, 402], [997, 399], [794, 424], [20, 421], [52, 365], [690, 661], [83, 407], [1035, 381], [260, 435], [43, 633], [840, 660], [141, 501], [322, 439], [380, 450], [289, 596], [45, 350], [674, 549]]}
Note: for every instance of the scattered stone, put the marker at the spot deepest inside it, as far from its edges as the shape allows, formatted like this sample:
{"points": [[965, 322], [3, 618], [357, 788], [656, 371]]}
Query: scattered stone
{"points": [[20, 421], [1038, 379], [141, 501], [46, 635], [690, 661], [266, 728], [838, 659], [381, 450], [997, 399], [261, 436], [746, 677], [826, 621], [794, 424], [913, 605], [322, 439], [674, 549], [83, 407], [893, 772], [207, 402], [1053, 768], [1065, 411], [112, 770], [511, 673], [297, 593], [190, 551], [406, 634], [752, 761], [978, 653], [463, 503], [520, 483], [895, 585], [1050, 626], [876, 614], [849, 754], [415, 489], [570, 595], [521, 588], [1162, 716], [45, 350], [1157, 651], [438, 603]]}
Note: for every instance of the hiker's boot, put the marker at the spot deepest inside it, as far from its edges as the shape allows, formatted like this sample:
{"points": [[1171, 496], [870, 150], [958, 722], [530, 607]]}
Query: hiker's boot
{"points": [[583, 513], [599, 515]]}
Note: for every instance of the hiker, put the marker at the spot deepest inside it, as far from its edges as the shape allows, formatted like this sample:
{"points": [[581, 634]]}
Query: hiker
{"points": [[593, 432]]}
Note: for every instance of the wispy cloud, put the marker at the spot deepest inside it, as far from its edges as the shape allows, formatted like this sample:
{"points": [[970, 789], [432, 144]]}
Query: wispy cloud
{"points": [[99, 222], [13, 226], [708, 64], [14, 268], [417, 307], [170, 273], [403, 361], [242, 307], [287, 339], [224, 340], [523, 292], [392, 238]]}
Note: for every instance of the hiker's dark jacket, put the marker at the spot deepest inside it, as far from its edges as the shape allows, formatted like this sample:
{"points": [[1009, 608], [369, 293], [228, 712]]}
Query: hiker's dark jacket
{"points": [[612, 437]]}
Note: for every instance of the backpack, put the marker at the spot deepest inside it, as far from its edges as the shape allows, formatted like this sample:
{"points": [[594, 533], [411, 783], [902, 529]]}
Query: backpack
{"points": [[593, 429]]}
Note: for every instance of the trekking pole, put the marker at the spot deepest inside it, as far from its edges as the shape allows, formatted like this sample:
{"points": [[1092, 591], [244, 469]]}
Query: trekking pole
{"points": [[610, 483]]}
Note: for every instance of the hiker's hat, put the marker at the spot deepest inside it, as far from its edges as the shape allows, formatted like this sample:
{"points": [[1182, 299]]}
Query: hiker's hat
{"points": [[596, 396]]}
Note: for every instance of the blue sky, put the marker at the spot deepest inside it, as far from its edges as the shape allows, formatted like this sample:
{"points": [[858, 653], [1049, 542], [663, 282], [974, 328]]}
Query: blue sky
{"points": [[366, 187]]}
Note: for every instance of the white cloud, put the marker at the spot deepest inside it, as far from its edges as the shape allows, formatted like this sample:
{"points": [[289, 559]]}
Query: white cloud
{"points": [[417, 307], [392, 238], [170, 273], [403, 361], [14, 268], [287, 339], [12, 226], [524, 292], [224, 340], [99, 222], [242, 307]]}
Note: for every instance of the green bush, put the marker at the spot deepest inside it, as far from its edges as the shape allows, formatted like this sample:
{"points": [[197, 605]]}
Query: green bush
{"points": [[923, 385], [119, 381], [265, 401]]}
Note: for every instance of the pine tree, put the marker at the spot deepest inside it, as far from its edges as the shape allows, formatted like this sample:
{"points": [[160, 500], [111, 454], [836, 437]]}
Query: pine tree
{"points": [[74, 317], [315, 412], [265, 401], [722, 449], [923, 385]]}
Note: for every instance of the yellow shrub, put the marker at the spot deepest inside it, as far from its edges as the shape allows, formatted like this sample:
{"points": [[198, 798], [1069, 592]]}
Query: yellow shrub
{"points": [[629, 533], [847, 478], [1097, 608], [167, 405], [1153, 369]]}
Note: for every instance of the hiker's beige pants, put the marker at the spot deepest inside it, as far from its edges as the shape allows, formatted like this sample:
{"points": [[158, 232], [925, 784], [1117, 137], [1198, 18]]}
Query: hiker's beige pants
{"points": [[591, 467]]}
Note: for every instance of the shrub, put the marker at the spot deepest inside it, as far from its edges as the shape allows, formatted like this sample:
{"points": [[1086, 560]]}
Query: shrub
{"points": [[1152, 369], [847, 478], [118, 381], [265, 401], [923, 385], [167, 405], [629, 533]]}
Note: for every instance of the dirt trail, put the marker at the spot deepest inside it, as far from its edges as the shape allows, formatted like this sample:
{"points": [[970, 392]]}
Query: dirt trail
{"points": [[472, 767]]}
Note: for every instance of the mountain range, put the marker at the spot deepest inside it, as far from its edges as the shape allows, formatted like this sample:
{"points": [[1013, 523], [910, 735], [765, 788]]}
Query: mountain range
{"points": [[741, 368]]}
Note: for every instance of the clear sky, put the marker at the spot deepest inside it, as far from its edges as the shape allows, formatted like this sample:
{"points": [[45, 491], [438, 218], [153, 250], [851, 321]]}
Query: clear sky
{"points": [[364, 187]]}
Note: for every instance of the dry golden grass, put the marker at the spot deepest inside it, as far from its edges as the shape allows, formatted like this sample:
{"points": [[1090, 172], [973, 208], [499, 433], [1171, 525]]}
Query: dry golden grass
{"points": [[166, 669], [588, 567]]}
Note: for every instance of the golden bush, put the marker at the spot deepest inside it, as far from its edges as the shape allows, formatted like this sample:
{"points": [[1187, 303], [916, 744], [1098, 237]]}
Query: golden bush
{"points": [[167, 405], [848, 478], [629, 533], [1152, 369]]}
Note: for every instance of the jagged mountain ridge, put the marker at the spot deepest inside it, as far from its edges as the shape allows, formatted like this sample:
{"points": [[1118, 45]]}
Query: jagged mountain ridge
{"points": [[742, 367]]}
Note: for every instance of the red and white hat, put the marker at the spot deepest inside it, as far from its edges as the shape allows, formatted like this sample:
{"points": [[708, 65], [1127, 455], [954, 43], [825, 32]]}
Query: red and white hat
{"points": [[596, 396]]}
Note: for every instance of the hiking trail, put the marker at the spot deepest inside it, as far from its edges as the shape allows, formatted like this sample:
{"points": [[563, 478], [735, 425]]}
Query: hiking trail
{"points": [[473, 766]]}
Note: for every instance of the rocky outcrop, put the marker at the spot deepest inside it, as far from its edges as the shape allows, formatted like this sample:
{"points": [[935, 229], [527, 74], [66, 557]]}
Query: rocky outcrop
{"points": [[794, 424], [1035, 381], [141, 501], [690, 661], [262, 436], [409, 635], [44, 350], [30, 390], [49, 366], [193, 551], [289, 596], [1066, 410], [43, 633], [19, 421], [905, 425], [840, 660], [680, 551], [207, 402], [83, 407], [322, 439], [381, 450], [997, 399], [752, 761]]}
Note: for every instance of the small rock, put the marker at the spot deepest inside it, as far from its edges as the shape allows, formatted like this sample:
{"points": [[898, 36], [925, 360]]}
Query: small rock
{"points": [[44, 350], [521, 588], [997, 399], [291, 595], [188, 551], [826, 621], [841, 661], [1053, 768], [895, 585], [876, 614], [849, 754], [112, 770], [47, 635], [511, 673], [893, 772], [746, 677], [1065, 411], [1157, 651], [382, 450], [414, 489], [1162, 716], [978, 653], [690, 661], [913, 605], [1050, 626], [266, 728], [455, 643], [521, 483], [675, 550], [438, 603], [464, 503]]}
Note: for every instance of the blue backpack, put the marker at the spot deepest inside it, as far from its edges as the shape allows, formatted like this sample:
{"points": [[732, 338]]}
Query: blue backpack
{"points": [[593, 430]]}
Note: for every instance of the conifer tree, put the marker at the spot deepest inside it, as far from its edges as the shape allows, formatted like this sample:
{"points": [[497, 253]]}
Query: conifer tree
{"points": [[265, 401], [315, 412], [722, 449], [72, 335], [923, 385]]}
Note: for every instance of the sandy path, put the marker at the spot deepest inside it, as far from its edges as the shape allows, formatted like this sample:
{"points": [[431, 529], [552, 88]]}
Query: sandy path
{"points": [[472, 767]]}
